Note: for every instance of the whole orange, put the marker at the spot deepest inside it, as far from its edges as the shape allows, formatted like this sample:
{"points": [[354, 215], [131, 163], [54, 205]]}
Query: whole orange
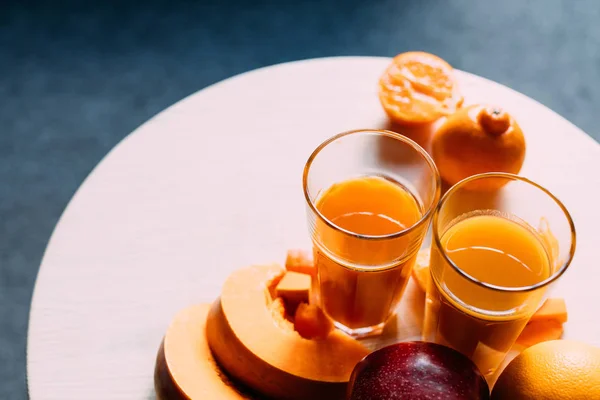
{"points": [[478, 139], [554, 370]]}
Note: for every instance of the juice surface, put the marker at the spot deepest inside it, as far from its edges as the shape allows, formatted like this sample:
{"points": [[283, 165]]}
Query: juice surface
{"points": [[497, 250], [361, 284], [369, 205], [480, 322]]}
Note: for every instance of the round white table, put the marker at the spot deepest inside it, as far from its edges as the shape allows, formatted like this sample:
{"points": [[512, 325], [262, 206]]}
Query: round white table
{"points": [[212, 184]]}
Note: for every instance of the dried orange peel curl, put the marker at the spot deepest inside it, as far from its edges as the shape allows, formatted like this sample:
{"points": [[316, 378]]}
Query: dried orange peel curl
{"points": [[419, 88]]}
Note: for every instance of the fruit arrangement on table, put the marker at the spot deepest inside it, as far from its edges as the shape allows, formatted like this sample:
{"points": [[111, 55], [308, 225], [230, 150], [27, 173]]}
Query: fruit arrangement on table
{"points": [[289, 332]]}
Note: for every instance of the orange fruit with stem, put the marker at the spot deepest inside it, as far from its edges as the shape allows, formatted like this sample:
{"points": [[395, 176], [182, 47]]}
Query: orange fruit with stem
{"points": [[478, 139], [418, 88]]}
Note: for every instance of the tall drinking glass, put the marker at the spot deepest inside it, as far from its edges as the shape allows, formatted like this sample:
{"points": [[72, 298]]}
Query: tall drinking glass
{"points": [[370, 195], [499, 241]]}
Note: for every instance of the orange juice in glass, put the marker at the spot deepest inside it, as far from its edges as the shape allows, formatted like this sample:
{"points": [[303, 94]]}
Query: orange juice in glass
{"points": [[370, 195], [494, 253]]}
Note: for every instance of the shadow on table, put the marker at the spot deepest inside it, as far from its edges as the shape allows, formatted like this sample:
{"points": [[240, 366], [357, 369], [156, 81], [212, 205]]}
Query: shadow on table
{"points": [[151, 395]]}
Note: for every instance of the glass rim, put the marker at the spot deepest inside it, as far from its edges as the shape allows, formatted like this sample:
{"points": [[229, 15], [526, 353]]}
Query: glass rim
{"points": [[380, 132], [517, 289]]}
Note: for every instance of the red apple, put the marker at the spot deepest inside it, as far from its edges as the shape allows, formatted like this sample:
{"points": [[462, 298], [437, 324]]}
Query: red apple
{"points": [[417, 371]]}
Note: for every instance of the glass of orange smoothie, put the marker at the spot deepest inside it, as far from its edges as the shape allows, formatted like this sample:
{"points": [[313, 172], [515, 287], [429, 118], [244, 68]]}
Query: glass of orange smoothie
{"points": [[499, 241], [370, 195]]}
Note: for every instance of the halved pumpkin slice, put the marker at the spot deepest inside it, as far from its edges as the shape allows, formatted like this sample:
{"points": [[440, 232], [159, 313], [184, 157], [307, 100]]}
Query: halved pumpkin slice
{"points": [[270, 357]]}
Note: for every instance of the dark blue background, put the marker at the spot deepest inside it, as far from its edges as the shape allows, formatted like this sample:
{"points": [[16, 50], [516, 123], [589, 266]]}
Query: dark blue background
{"points": [[75, 78]]}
